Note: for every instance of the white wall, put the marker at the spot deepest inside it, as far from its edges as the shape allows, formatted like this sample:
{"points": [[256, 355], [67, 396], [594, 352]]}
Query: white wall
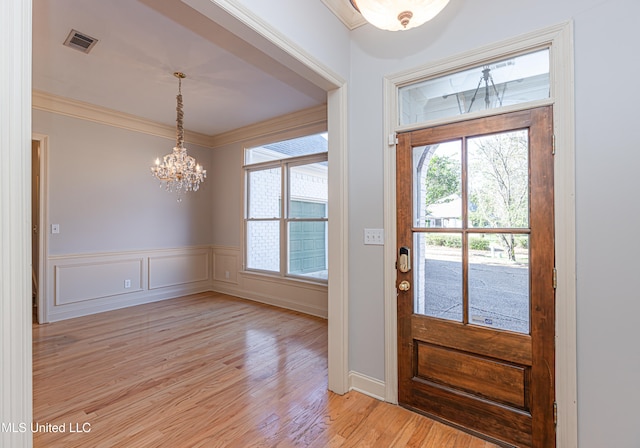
{"points": [[607, 160], [116, 224], [312, 26], [227, 195], [103, 196], [606, 163]]}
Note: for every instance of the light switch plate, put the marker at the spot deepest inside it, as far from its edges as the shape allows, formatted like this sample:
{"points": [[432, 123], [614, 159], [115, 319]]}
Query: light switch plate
{"points": [[374, 237]]}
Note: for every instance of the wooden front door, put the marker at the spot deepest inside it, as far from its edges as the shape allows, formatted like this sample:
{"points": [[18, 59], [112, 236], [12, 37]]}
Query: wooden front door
{"points": [[475, 275]]}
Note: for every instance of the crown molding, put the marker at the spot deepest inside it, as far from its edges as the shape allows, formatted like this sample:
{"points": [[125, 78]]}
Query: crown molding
{"points": [[85, 111], [314, 117], [345, 12]]}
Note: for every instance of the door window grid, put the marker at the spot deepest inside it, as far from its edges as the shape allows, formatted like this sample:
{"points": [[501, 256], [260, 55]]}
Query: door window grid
{"points": [[464, 237]]}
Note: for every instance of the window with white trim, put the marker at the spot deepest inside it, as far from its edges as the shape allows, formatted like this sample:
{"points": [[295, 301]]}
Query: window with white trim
{"points": [[286, 202]]}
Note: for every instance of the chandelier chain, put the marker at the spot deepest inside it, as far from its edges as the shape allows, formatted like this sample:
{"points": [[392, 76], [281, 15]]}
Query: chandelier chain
{"points": [[179, 121], [179, 171]]}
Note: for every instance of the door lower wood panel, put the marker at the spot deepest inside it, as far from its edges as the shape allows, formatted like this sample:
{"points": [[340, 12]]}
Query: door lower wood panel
{"points": [[466, 372]]}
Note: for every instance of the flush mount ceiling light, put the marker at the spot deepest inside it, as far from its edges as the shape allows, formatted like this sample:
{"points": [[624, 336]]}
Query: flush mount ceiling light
{"points": [[178, 171], [397, 15]]}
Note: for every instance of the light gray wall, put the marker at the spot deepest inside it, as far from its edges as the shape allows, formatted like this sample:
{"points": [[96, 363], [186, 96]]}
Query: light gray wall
{"points": [[227, 195], [606, 33], [607, 160], [103, 196]]}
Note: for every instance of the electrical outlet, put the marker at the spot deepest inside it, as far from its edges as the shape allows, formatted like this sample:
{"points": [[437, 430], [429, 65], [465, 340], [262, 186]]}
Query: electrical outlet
{"points": [[226, 274], [374, 236], [127, 283]]}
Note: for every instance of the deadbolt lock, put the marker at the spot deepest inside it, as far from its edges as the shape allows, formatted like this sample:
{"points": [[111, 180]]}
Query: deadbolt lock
{"points": [[404, 285]]}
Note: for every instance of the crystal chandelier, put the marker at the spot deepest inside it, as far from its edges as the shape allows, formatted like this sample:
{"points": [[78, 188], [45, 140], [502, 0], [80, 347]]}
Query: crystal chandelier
{"points": [[178, 171], [397, 15]]}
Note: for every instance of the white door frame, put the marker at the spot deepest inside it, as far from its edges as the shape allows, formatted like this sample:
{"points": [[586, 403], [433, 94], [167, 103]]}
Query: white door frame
{"points": [[43, 233], [560, 40], [15, 223]]}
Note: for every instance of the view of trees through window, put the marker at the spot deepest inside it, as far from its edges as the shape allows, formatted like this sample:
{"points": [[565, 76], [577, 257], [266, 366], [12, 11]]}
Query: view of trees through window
{"points": [[499, 184], [497, 177], [486, 184]]}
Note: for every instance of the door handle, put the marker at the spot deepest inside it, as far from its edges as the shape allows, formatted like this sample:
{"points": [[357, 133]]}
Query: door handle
{"points": [[404, 286]]}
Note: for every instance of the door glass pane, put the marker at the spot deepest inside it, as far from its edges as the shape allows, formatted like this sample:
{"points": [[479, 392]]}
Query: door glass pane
{"points": [[264, 193], [437, 188], [511, 81], [308, 249], [308, 190], [438, 275], [263, 245], [498, 176], [499, 281]]}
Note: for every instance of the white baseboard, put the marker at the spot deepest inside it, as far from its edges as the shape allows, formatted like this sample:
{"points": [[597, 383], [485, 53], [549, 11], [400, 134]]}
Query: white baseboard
{"points": [[300, 306], [367, 385], [124, 301]]}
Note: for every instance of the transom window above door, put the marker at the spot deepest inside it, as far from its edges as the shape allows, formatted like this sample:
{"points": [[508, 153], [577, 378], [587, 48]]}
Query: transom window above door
{"points": [[506, 82], [286, 202]]}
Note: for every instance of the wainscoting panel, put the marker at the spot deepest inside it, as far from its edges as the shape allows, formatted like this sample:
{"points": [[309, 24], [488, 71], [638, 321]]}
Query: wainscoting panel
{"points": [[226, 264], [178, 268], [79, 285], [87, 281]]}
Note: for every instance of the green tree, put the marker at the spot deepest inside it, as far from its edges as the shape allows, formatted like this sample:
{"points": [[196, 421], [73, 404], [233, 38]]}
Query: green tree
{"points": [[442, 180], [499, 183]]}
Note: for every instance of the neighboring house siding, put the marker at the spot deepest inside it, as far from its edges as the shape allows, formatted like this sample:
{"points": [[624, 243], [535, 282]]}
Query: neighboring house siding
{"points": [[307, 240]]}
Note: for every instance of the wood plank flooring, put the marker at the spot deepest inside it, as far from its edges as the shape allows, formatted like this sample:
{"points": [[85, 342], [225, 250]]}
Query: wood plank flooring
{"points": [[207, 370]]}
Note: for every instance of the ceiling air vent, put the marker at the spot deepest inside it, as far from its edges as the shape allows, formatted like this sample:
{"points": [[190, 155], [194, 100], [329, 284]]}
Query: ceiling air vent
{"points": [[80, 41]]}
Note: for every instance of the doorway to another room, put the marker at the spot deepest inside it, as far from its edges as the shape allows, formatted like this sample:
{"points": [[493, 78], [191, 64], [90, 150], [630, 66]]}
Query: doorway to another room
{"points": [[36, 151]]}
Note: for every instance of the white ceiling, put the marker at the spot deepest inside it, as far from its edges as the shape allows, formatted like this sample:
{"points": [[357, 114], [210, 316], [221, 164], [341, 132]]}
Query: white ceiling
{"points": [[141, 43]]}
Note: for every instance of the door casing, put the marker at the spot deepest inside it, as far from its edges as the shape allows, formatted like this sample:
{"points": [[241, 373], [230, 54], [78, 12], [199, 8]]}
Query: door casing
{"points": [[559, 39]]}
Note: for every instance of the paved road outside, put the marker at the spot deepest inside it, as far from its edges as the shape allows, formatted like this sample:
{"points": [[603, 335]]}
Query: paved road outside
{"points": [[498, 293]]}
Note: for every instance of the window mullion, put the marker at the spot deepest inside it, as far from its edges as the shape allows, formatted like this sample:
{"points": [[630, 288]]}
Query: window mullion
{"points": [[465, 233], [284, 214]]}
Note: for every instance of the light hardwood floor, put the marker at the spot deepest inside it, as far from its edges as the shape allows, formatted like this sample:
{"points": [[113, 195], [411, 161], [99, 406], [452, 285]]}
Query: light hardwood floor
{"points": [[207, 370]]}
